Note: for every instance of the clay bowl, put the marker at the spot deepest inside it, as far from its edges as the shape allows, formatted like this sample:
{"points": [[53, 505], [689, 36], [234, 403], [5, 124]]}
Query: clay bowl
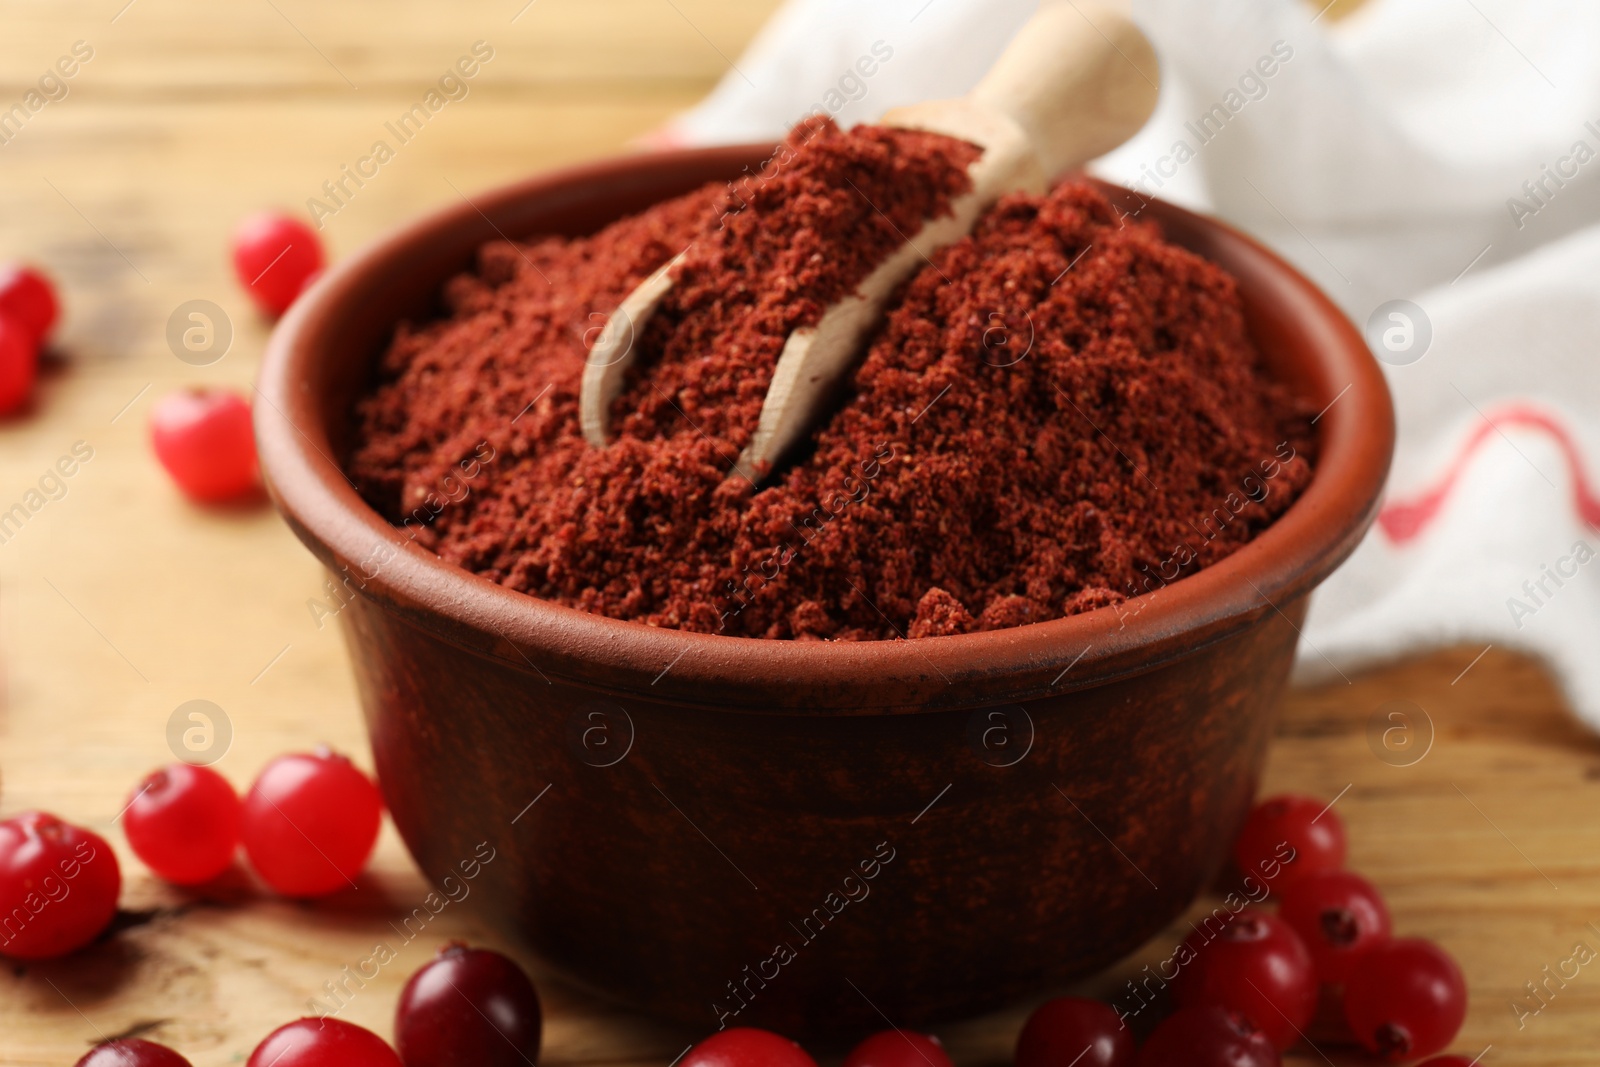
{"points": [[806, 836]]}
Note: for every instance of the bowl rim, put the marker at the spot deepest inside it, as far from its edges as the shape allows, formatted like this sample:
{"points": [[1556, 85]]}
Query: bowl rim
{"points": [[1266, 577]]}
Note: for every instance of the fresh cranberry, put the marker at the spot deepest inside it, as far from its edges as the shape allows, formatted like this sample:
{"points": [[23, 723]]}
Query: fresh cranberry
{"points": [[28, 299], [184, 823], [1287, 837], [310, 822], [132, 1052], [19, 366], [322, 1043], [1208, 1037], [469, 1007], [899, 1048], [1406, 998], [1339, 915], [58, 886], [1255, 965], [273, 255], [1074, 1030], [204, 440], [745, 1046]]}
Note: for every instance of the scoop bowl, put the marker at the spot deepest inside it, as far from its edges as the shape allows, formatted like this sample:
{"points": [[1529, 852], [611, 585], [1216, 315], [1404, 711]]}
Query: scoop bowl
{"points": [[809, 837]]}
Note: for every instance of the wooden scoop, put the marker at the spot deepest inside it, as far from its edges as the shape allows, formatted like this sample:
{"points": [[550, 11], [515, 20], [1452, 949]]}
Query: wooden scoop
{"points": [[1078, 80]]}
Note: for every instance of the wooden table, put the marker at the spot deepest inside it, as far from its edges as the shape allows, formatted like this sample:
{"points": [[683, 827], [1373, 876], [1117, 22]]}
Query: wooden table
{"points": [[120, 601]]}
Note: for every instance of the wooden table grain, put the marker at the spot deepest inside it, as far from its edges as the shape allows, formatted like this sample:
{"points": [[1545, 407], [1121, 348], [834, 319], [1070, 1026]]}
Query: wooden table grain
{"points": [[119, 601]]}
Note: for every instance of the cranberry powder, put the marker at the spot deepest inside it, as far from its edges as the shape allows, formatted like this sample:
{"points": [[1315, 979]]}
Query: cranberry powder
{"points": [[1060, 412]]}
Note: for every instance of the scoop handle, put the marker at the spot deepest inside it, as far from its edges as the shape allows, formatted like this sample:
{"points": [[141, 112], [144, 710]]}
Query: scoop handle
{"points": [[1079, 78]]}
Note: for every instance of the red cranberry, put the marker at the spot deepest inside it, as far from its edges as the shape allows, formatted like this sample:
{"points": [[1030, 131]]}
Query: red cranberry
{"points": [[28, 299], [469, 1007], [898, 1048], [58, 886], [1255, 965], [322, 1043], [1405, 999], [1074, 1030], [1208, 1037], [745, 1046], [184, 823], [273, 256], [1289, 836], [310, 821], [204, 439], [132, 1052], [19, 366], [1339, 915]]}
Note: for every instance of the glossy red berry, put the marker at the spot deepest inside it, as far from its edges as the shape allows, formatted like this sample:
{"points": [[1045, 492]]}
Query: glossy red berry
{"points": [[309, 823], [322, 1043], [28, 299], [273, 256], [1405, 999], [1287, 837], [1339, 915], [1208, 1037], [204, 439], [132, 1052], [183, 822], [1074, 1030], [469, 1007], [1255, 965], [745, 1046], [899, 1048], [19, 366], [58, 886]]}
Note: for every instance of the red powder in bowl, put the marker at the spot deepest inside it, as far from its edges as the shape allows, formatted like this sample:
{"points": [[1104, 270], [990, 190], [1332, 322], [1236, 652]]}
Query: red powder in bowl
{"points": [[1060, 412]]}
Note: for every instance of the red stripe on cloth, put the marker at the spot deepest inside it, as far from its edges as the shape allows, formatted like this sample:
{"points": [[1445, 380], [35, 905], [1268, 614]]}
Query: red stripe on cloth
{"points": [[1404, 520]]}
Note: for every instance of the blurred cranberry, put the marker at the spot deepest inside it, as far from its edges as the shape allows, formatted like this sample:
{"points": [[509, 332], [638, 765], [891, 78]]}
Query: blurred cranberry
{"points": [[28, 299], [899, 1048], [1208, 1037], [468, 1007], [1076, 1030], [745, 1046], [1289, 836], [58, 886], [322, 1043], [19, 366], [132, 1052], [1255, 965], [273, 255], [184, 823], [204, 439], [1339, 915]]}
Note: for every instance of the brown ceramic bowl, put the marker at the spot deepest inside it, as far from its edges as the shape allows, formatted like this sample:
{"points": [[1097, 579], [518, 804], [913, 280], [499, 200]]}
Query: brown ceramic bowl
{"points": [[807, 836]]}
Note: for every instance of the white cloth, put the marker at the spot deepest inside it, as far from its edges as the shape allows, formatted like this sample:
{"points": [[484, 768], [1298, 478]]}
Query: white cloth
{"points": [[1444, 152]]}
